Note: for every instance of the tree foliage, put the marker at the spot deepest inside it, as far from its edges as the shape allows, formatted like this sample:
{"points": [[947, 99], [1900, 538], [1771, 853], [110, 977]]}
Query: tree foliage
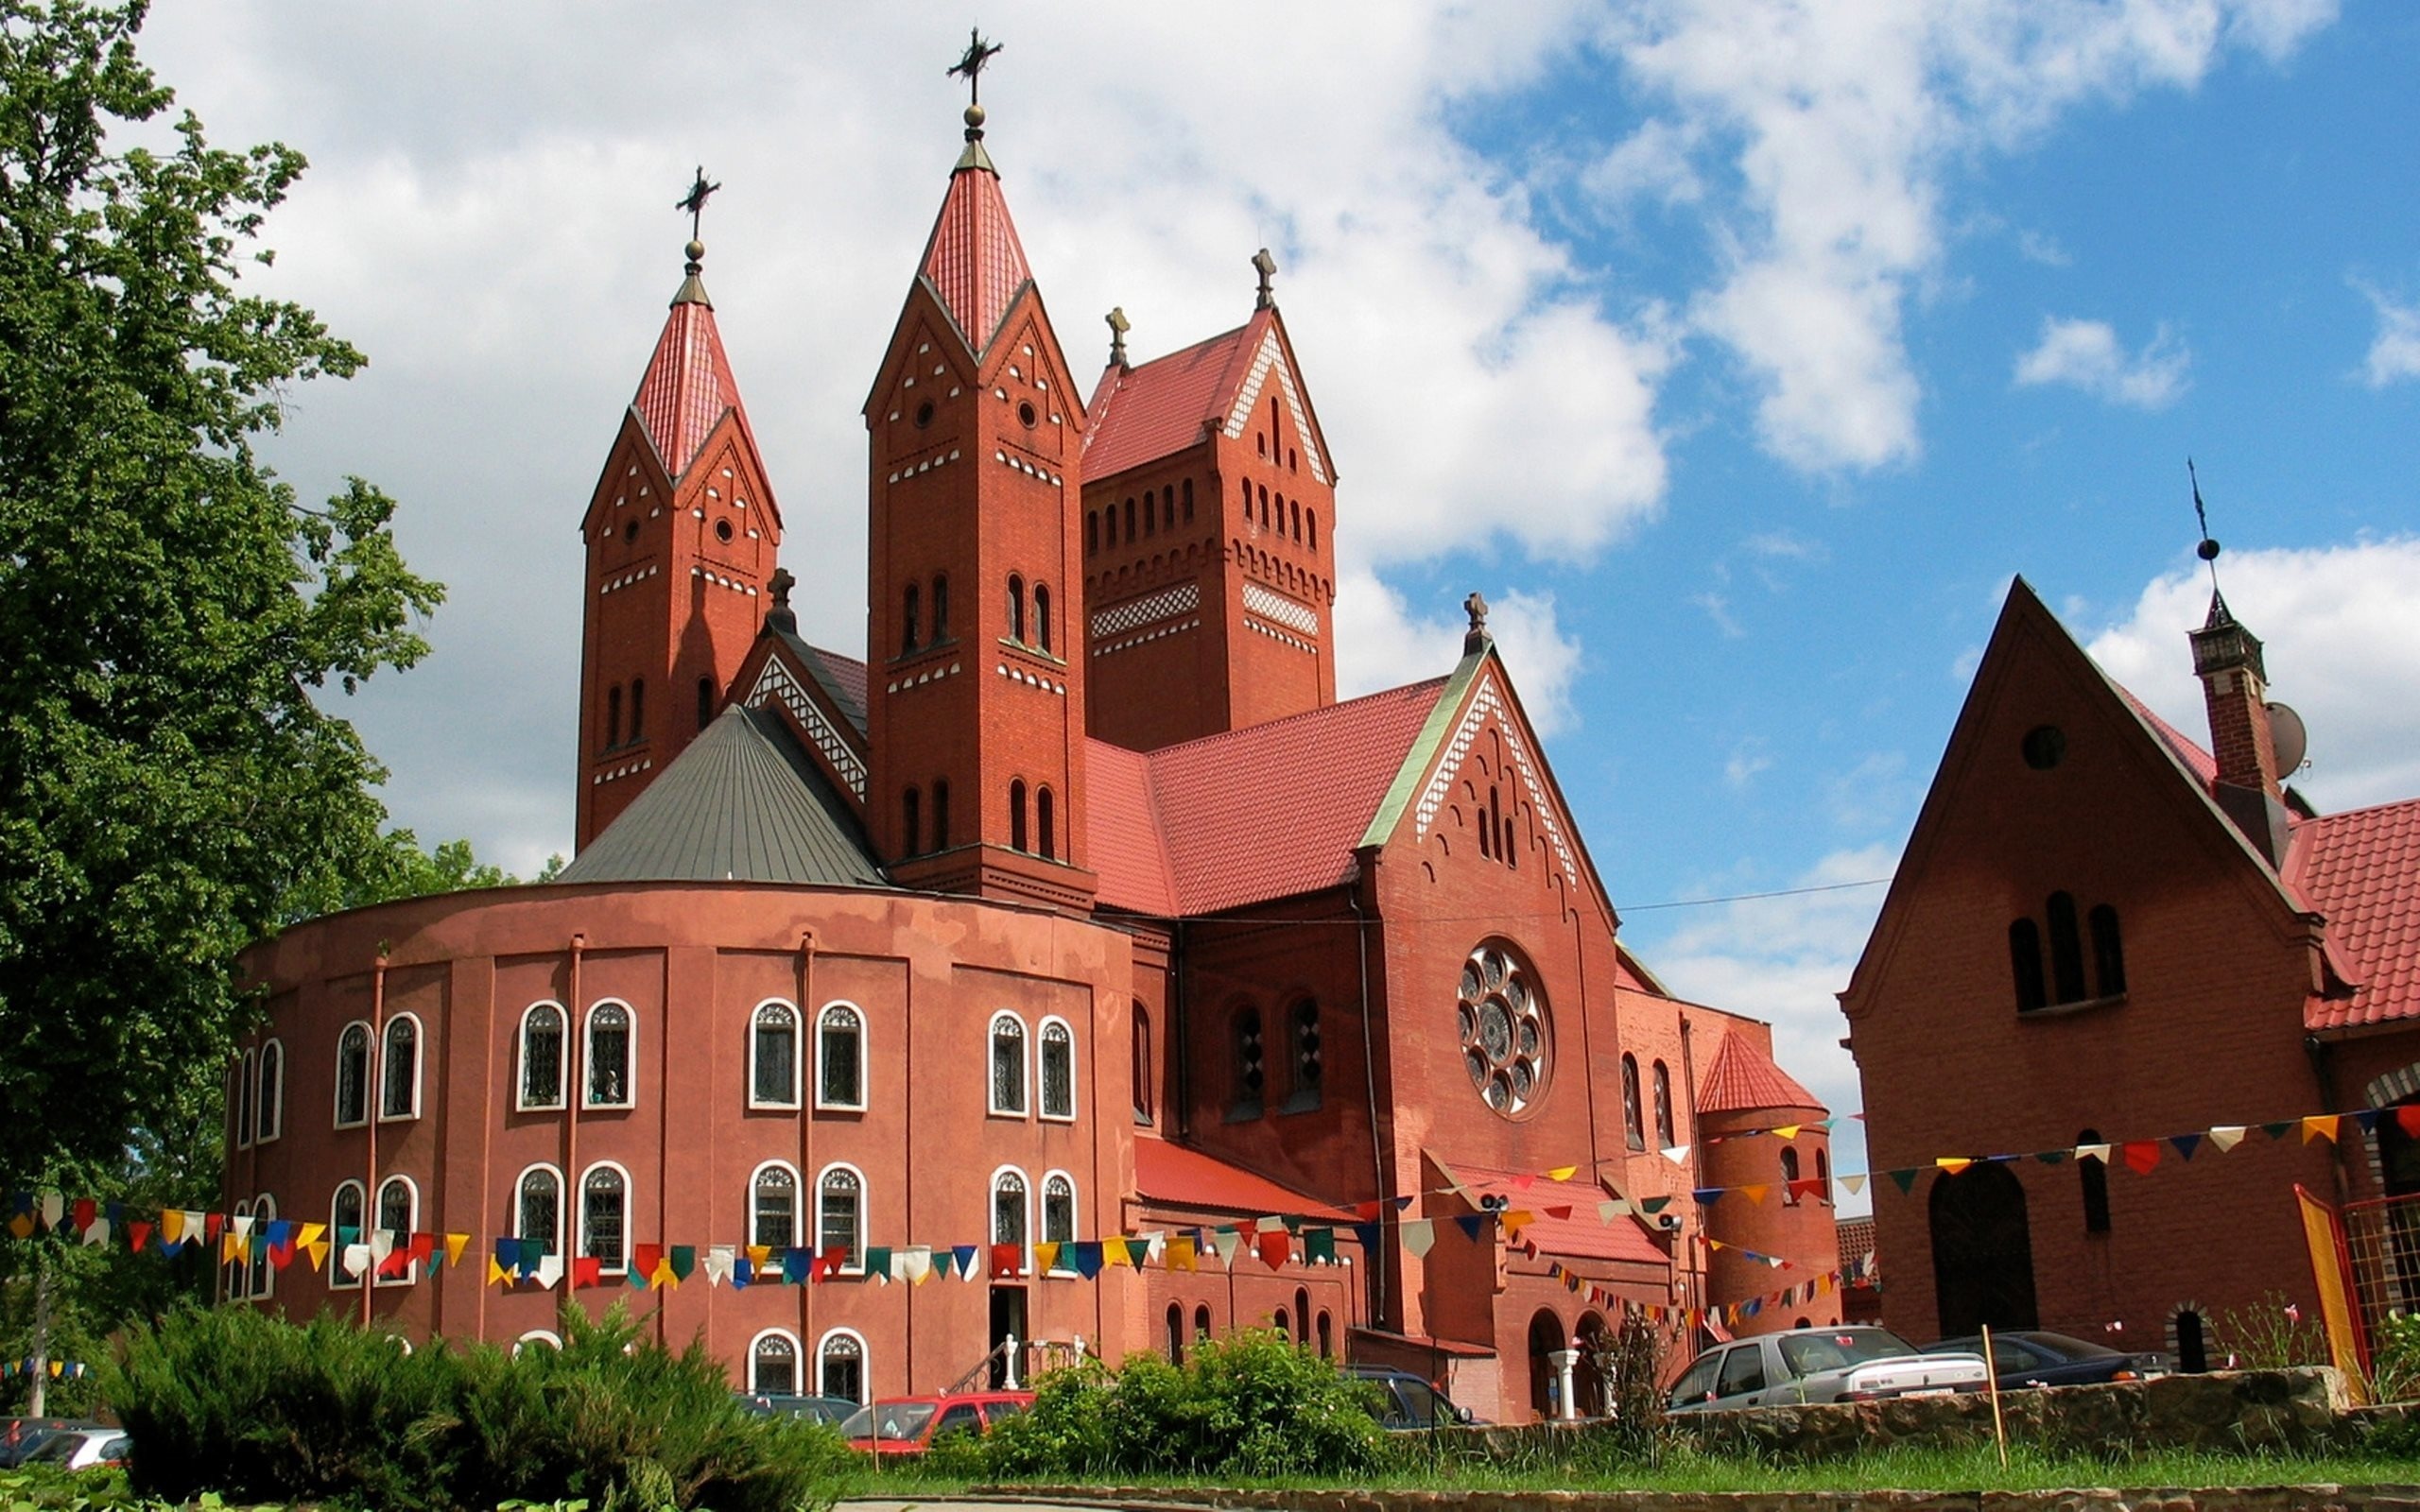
{"points": [[172, 613]]}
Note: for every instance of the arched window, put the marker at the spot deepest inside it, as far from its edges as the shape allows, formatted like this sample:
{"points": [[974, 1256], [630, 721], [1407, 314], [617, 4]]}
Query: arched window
{"points": [[840, 1058], [706, 703], [542, 1056], [262, 1281], [269, 1104], [608, 1055], [1142, 1067], [1008, 1224], [1188, 500], [604, 1217], [2108, 958], [1058, 1065], [248, 1074], [1327, 1335], [1250, 1070], [1202, 1321], [940, 609], [772, 1364], [538, 1208], [940, 814], [537, 1339], [2093, 1172], [841, 1366], [1016, 608], [1058, 1218], [1305, 1092], [1663, 1107], [639, 709], [1285, 1329], [1045, 821], [345, 1223], [400, 1081], [1130, 521], [1295, 505], [1263, 492], [2025, 964], [1247, 486], [398, 1215], [1041, 615], [773, 1205], [234, 1274], [1634, 1124], [1016, 814], [773, 1056], [1092, 531], [612, 717], [1176, 1333], [840, 1216], [1824, 1178], [1007, 1064], [908, 600], [1167, 507], [1311, 527], [2066, 950], [1789, 1176], [1150, 512]]}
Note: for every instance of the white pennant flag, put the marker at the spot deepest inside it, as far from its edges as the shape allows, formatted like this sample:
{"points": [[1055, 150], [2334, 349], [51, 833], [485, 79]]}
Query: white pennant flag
{"points": [[916, 1264], [1678, 1154], [2227, 1136], [550, 1271], [1608, 1211], [53, 1208], [242, 1224], [382, 1244], [1226, 1241], [1853, 1184], [197, 1226], [2093, 1152], [97, 1231], [1419, 1235], [1152, 1243], [357, 1258], [1271, 1225], [719, 1261]]}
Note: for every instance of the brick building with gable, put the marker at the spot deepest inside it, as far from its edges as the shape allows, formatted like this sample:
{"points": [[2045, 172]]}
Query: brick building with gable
{"points": [[968, 942]]}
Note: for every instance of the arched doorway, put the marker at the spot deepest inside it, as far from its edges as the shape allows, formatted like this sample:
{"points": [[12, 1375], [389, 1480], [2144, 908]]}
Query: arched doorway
{"points": [[1545, 1337], [1982, 1251], [1588, 1382]]}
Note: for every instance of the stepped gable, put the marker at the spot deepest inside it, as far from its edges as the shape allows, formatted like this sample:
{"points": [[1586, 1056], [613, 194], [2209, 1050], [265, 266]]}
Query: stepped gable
{"points": [[742, 803], [1144, 413], [2361, 871], [1741, 1078]]}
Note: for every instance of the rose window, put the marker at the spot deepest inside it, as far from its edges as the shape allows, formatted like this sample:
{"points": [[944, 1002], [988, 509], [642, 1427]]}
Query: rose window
{"points": [[1507, 1046]]}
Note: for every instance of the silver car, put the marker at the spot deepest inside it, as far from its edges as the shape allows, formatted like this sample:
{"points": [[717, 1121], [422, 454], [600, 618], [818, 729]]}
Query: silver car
{"points": [[1845, 1364]]}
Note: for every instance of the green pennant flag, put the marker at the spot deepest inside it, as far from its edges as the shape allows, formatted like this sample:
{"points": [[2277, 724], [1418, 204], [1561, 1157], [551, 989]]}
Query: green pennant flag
{"points": [[879, 1263], [1651, 1206], [685, 1260], [1319, 1246], [1905, 1180], [2053, 1157], [2278, 1131]]}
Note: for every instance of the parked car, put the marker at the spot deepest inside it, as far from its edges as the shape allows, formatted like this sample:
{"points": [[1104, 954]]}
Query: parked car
{"points": [[1408, 1402], [1847, 1363], [819, 1409], [82, 1447], [19, 1437], [909, 1425], [2034, 1357]]}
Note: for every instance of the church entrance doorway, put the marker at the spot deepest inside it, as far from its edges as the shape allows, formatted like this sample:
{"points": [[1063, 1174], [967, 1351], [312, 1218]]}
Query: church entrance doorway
{"points": [[1008, 1322], [1982, 1251], [1545, 1337], [1588, 1382]]}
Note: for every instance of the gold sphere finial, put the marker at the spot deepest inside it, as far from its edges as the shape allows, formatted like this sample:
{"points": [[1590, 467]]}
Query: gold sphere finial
{"points": [[697, 251], [975, 116]]}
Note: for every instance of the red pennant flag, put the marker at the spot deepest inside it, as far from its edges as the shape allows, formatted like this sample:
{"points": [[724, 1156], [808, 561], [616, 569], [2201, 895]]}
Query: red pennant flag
{"points": [[422, 1246], [587, 1270], [211, 1224], [2141, 1155], [1274, 1247], [137, 1234], [1562, 1212], [1808, 1187], [1368, 1212], [2408, 1119], [1524, 1182], [1006, 1259], [83, 1212]]}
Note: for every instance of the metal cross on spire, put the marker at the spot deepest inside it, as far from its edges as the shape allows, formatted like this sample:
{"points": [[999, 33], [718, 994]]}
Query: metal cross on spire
{"points": [[970, 67], [695, 201]]}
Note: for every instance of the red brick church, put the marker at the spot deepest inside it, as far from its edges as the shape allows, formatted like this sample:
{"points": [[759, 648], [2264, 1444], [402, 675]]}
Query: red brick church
{"points": [[1071, 908]]}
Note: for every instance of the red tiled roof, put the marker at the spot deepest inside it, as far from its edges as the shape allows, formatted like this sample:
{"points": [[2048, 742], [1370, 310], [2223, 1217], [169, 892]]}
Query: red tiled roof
{"points": [[1581, 1236], [1856, 1237], [687, 385], [974, 262], [1223, 848], [1143, 414], [1128, 855], [1171, 1176], [847, 671], [1742, 1077], [2361, 870], [2204, 767]]}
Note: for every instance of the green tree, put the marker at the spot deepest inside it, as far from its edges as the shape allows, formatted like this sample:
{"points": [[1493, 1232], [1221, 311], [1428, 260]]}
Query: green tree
{"points": [[172, 614]]}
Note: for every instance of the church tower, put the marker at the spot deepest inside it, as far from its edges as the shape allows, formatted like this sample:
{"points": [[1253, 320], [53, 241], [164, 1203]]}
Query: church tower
{"points": [[974, 666], [680, 537]]}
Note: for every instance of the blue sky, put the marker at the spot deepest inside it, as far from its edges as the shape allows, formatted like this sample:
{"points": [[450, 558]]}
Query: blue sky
{"points": [[1739, 351]]}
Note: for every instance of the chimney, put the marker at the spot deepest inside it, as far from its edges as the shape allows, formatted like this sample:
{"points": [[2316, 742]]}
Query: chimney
{"points": [[2226, 657]]}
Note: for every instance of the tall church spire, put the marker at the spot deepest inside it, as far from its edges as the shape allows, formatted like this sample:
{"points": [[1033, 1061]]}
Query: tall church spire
{"points": [[973, 262]]}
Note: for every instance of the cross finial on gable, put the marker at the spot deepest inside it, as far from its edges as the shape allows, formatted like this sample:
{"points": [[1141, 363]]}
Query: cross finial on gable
{"points": [[1267, 267], [970, 68], [1119, 326], [1477, 639]]}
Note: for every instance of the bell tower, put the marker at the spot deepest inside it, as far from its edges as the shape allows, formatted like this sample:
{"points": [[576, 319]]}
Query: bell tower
{"points": [[974, 666], [680, 537]]}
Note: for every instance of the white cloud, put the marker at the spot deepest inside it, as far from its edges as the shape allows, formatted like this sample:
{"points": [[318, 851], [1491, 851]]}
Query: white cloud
{"points": [[1843, 123], [2395, 352], [2041, 247], [2086, 355], [2341, 627], [1652, 163], [1747, 761], [1382, 643]]}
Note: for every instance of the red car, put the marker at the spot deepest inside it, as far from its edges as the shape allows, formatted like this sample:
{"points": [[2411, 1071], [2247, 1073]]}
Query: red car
{"points": [[909, 1425]]}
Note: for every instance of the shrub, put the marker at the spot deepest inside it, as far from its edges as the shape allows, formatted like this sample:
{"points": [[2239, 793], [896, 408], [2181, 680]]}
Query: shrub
{"points": [[238, 1403]]}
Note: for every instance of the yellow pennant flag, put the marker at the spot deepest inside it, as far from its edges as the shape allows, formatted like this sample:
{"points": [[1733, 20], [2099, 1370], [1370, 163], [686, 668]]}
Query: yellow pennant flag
{"points": [[1788, 1131], [1953, 1163], [1755, 1193], [231, 1246], [454, 1245], [1045, 1255], [1516, 1220], [1563, 1172], [1113, 1252], [2320, 1127], [172, 1225], [497, 1275], [317, 1250], [310, 1233], [757, 1255], [663, 1275], [1182, 1253]]}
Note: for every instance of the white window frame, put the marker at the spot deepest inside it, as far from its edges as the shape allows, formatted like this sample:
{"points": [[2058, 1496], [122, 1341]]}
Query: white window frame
{"points": [[248, 1095], [992, 1216], [369, 1078], [1062, 1264], [990, 1071], [620, 1266], [419, 1058], [798, 1033], [336, 1278], [562, 1200], [546, 1336], [521, 1102], [1074, 1098], [403, 1236], [865, 1361], [262, 1283], [235, 1277], [588, 1055], [798, 1197], [865, 1065], [264, 1132], [856, 1265], [798, 1362]]}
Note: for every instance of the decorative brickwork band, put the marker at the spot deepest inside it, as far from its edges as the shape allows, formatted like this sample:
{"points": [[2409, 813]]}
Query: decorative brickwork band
{"points": [[775, 682]]}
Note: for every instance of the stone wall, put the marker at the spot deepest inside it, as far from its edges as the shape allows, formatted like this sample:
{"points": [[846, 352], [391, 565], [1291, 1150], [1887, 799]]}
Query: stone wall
{"points": [[2306, 1498]]}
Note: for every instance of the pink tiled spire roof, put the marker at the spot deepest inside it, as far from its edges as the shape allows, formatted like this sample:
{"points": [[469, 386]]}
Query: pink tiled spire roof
{"points": [[974, 263], [688, 383]]}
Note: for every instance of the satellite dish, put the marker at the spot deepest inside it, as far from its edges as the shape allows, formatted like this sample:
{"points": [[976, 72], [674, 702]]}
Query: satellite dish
{"points": [[2291, 740]]}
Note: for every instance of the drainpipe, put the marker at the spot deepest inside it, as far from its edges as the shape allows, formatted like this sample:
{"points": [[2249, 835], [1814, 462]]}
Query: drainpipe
{"points": [[374, 1096], [2323, 1070], [810, 1044], [1370, 1088], [1696, 1159], [574, 1036]]}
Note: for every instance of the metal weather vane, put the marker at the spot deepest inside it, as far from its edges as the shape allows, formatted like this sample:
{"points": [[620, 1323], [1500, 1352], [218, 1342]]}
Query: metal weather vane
{"points": [[970, 67], [695, 201]]}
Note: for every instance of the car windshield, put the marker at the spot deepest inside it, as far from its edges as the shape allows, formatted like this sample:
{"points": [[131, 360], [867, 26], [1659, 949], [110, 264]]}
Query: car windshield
{"points": [[55, 1447], [1423, 1406], [899, 1422], [1809, 1354]]}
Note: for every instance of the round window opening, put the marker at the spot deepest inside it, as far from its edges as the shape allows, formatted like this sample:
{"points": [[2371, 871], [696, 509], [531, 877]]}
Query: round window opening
{"points": [[722, 530], [1508, 1044], [2044, 746], [631, 531], [924, 414], [1025, 413]]}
